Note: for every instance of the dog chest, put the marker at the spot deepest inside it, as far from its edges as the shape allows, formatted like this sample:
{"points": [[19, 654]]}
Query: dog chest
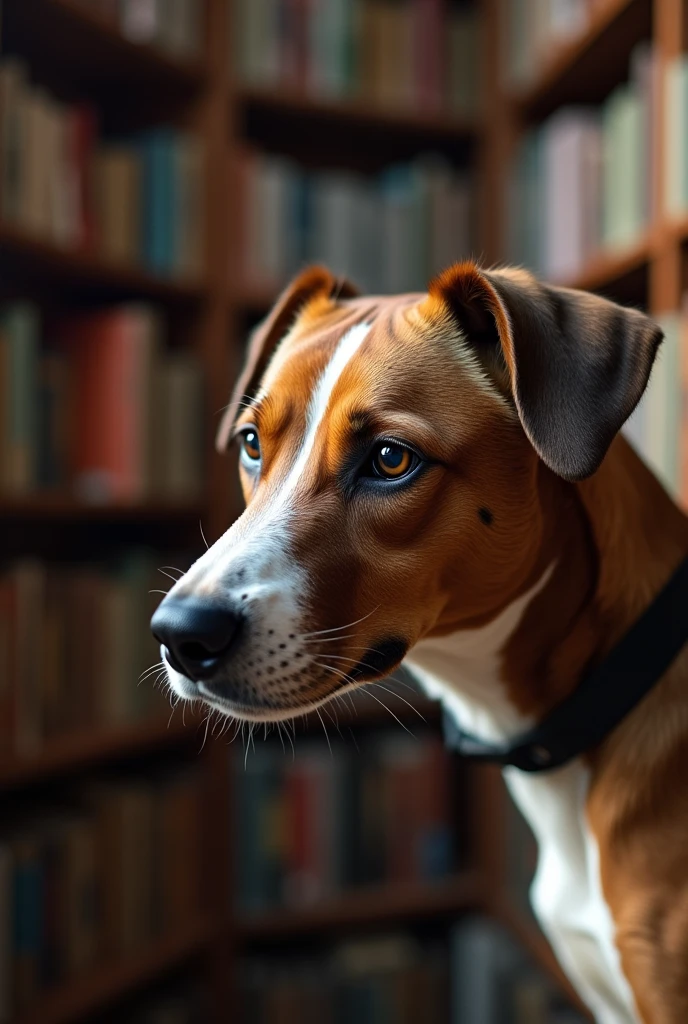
{"points": [[566, 893]]}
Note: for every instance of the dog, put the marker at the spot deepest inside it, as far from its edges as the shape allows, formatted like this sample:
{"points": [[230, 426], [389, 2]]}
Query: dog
{"points": [[438, 479]]}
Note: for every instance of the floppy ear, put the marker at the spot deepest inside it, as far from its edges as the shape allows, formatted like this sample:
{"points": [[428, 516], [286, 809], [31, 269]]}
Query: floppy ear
{"points": [[577, 364], [307, 286]]}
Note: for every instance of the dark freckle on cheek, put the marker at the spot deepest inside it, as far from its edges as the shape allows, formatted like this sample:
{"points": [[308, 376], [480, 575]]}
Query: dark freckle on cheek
{"points": [[485, 516]]}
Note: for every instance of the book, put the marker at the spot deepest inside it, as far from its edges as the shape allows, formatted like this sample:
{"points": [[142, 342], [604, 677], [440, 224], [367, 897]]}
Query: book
{"points": [[534, 30], [118, 197], [389, 233], [74, 641], [111, 357], [20, 328], [96, 403], [78, 878], [174, 26], [324, 823], [130, 200], [596, 169], [408, 54], [658, 427]]}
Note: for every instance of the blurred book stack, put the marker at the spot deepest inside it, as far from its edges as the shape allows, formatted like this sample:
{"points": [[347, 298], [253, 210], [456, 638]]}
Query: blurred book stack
{"points": [[388, 234], [584, 181], [493, 982], [132, 201], [473, 975], [418, 55], [311, 828], [676, 134], [174, 26], [658, 429], [386, 978], [74, 641], [99, 877], [96, 404], [536, 29]]}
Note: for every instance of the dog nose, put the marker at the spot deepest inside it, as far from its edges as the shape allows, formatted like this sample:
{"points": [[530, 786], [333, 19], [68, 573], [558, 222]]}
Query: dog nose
{"points": [[196, 634]]}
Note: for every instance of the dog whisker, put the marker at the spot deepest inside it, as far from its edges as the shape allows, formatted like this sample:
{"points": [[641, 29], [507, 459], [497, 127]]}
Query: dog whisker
{"points": [[173, 568], [337, 629], [382, 704], [399, 697], [327, 640], [205, 734], [149, 671], [317, 711], [173, 578], [200, 526]]}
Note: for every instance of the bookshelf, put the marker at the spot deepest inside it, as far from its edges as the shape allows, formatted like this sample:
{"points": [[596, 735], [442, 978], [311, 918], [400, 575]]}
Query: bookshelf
{"points": [[81, 751], [102, 986], [82, 275], [378, 908], [73, 51], [66, 41]]}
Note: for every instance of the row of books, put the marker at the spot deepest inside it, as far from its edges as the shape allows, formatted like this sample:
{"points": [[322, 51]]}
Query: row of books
{"points": [[658, 429], [321, 823], [584, 181], [173, 26], [535, 29], [411, 54], [96, 403], [388, 234], [116, 866], [676, 134], [131, 201], [476, 975], [74, 641]]}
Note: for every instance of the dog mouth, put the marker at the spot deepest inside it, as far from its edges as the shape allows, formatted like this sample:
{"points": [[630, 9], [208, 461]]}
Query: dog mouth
{"points": [[270, 711], [322, 678]]}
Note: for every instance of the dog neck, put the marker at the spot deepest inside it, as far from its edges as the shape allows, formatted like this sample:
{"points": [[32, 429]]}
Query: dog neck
{"points": [[607, 547]]}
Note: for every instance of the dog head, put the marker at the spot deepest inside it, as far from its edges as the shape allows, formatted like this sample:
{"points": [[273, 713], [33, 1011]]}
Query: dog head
{"points": [[390, 450]]}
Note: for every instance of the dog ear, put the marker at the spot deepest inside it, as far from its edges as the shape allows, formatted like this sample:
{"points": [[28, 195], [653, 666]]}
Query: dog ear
{"points": [[577, 364], [311, 283]]}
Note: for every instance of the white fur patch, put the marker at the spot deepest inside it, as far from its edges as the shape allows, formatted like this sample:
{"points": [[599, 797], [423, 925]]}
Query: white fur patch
{"points": [[318, 406], [464, 671]]}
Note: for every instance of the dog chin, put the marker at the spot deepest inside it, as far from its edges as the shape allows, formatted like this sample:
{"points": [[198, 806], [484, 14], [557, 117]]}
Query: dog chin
{"points": [[187, 690]]}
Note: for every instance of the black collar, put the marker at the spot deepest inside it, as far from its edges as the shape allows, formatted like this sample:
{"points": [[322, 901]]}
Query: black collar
{"points": [[604, 697]]}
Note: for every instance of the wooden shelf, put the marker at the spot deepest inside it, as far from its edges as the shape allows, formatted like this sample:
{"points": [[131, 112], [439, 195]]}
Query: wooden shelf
{"points": [[586, 68], [366, 909], [96, 747], [24, 258], [55, 507], [85, 48], [355, 113], [97, 990], [613, 269], [350, 133]]}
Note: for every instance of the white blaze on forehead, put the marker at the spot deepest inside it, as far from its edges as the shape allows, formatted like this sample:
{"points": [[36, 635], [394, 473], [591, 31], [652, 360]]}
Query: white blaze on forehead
{"points": [[263, 551], [320, 400]]}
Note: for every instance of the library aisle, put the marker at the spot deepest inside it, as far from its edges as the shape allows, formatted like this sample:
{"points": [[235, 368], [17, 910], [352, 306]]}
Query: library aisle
{"points": [[165, 167]]}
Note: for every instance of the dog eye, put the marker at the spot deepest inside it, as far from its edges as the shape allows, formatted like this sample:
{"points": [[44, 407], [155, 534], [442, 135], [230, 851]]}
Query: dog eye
{"points": [[391, 461], [251, 445]]}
